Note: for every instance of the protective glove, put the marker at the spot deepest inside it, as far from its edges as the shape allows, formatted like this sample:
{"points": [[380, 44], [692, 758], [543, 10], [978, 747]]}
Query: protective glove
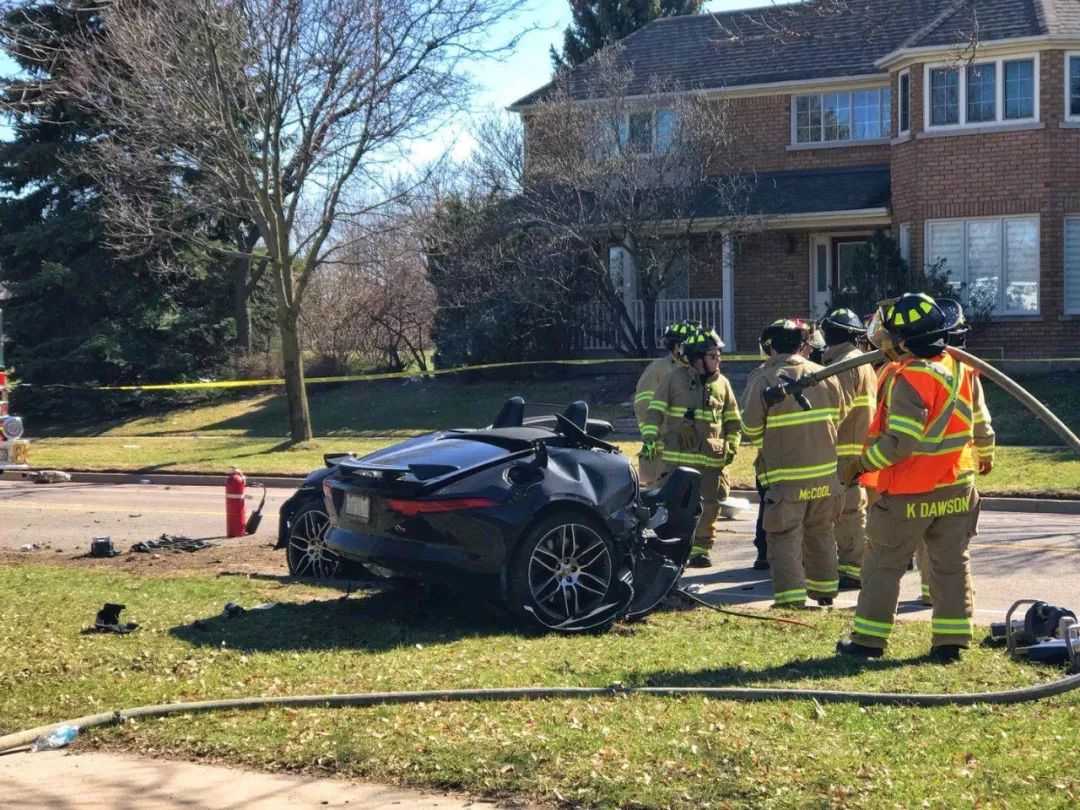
{"points": [[985, 466], [648, 450], [732, 449], [850, 473]]}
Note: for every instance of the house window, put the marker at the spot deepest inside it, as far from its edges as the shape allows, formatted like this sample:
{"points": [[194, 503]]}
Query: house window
{"points": [[676, 278], [1072, 87], [904, 111], [944, 96], [641, 132], [1072, 265], [981, 93], [859, 115], [1005, 90], [993, 261], [1019, 89]]}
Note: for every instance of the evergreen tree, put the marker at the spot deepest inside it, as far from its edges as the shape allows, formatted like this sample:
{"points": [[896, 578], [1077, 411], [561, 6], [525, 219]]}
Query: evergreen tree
{"points": [[597, 23], [75, 312]]}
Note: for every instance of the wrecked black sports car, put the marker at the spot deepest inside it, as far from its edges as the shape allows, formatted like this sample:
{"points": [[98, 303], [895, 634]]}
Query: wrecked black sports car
{"points": [[537, 513]]}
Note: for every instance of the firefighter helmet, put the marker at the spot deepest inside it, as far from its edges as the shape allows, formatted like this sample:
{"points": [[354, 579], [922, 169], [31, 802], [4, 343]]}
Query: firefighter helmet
{"points": [[841, 325], [675, 334], [786, 334], [919, 323], [702, 341]]}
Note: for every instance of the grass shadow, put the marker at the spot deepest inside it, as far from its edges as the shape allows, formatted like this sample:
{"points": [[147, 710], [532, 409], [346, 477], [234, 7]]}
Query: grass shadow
{"points": [[372, 621], [827, 668]]}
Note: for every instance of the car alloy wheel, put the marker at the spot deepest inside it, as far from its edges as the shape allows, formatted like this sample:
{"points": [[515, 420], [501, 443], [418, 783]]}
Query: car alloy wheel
{"points": [[570, 571], [306, 552]]}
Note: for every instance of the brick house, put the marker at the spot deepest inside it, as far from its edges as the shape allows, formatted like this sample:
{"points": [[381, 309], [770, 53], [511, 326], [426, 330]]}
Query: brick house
{"points": [[962, 141]]}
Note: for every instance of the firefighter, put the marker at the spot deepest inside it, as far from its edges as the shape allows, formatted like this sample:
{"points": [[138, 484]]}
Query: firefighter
{"points": [[761, 543], [978, 456], [796, 461], [842, 330], [699, 413], [921, 426], [674, 335]]}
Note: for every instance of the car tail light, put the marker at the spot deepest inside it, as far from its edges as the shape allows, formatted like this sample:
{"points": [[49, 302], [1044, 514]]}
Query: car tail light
{"points": [[414, 508]]}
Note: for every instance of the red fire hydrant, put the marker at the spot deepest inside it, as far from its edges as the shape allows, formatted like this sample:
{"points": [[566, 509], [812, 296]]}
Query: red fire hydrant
{"points": [[235, 505]]}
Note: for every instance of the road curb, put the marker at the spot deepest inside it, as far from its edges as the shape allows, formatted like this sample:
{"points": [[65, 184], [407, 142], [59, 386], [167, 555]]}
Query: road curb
{"points": [[178, 479], [1045, 506]]}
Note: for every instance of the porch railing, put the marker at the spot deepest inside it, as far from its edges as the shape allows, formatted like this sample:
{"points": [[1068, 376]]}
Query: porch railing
{"points": [[600, 334]]}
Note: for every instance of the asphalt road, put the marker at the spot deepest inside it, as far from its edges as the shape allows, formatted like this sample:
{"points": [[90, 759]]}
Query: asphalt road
{"points": [[1015, 556]]}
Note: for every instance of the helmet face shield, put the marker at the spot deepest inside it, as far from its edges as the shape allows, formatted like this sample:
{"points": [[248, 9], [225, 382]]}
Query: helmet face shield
{"points": [[877, 333]]}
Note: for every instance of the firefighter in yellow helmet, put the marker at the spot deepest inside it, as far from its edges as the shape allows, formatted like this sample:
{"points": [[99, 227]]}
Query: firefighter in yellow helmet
{"points": [[841, 329], [921, 427], [699, 413], [797, 462], [649, 468]]}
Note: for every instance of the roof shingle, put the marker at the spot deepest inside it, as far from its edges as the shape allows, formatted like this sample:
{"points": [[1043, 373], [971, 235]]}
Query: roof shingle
{"points": [[813, 40]]}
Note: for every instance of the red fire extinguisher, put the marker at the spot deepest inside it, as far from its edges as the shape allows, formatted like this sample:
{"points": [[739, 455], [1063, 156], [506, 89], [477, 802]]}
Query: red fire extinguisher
{"points": [[235, 505]]}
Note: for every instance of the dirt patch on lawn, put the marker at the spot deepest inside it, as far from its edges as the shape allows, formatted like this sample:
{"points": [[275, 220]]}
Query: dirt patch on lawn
{"points": [[246, 555]]}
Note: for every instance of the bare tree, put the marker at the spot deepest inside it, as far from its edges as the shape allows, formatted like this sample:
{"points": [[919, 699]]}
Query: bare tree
{"points": [[274, 112], [645, 170], [374, 303]]}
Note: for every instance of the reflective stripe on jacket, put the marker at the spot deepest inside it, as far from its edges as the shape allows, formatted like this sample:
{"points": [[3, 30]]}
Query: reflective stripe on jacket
{"points": [[647, 384], [922, 424], [860, 388], [695, 419], [797, 447]]}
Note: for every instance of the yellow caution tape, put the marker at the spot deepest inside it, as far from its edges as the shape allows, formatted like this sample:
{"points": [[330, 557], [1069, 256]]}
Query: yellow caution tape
{"points": [[396, 375]]}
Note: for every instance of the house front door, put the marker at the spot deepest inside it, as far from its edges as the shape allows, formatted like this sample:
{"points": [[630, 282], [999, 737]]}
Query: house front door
{"points": [[831, 258]]}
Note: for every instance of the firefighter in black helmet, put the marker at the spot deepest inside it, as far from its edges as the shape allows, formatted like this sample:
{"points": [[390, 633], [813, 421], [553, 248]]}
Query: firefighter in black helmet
{"points": [[842, 330]]}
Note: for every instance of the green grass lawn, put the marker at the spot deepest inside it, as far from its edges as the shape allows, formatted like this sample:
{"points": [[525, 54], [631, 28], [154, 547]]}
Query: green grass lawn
{"points": [[620, 752]]}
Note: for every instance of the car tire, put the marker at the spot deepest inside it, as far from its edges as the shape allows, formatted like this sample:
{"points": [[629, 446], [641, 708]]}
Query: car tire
{"points": [[306, 553], [564, 567]]}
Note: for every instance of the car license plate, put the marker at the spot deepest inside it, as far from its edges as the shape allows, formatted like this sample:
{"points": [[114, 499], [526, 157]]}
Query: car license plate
{"points": [[358, 506]]}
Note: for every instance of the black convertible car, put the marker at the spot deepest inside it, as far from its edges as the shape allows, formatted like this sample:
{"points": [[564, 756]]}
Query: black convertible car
{"points": [[537, 513]]}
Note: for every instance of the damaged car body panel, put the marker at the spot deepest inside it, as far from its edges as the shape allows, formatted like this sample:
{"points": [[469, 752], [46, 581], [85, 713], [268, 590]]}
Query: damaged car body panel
{"points": [[540, 514]]}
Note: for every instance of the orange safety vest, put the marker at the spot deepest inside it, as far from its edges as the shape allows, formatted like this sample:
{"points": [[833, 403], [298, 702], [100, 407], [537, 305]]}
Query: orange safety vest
{"points": [[936, 461], [877, 424]]}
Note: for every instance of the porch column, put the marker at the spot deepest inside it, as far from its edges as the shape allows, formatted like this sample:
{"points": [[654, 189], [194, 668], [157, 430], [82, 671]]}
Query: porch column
{"points": [[727, 263]]}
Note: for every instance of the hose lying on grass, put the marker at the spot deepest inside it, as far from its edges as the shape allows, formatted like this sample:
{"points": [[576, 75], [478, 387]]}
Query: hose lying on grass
{"points": [[24, 738]]}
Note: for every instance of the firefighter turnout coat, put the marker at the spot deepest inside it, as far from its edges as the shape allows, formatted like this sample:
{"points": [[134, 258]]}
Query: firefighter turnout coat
{"points": [[694, 419]]}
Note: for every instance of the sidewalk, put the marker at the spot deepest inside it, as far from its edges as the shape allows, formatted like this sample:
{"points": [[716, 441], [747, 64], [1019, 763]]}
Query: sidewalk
{"points": [[66, 781]]}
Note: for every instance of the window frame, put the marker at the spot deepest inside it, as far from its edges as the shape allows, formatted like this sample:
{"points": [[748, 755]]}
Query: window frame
{"points": [[885, 117], [1069, 116], [625, 142], [999, 119], [1000, 311], [901, 77]]}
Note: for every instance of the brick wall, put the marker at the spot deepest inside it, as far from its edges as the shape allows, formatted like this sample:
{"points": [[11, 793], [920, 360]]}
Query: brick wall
{"points": [[771, 281], [998, 174]]}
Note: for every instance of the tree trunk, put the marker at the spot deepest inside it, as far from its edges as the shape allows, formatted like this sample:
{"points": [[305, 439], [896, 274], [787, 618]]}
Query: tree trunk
{"points": [[241, 309], [295, 391]]}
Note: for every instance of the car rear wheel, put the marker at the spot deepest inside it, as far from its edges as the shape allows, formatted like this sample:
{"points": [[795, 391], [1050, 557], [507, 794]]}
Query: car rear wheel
{"points": [[306, 551], [563, 569]]}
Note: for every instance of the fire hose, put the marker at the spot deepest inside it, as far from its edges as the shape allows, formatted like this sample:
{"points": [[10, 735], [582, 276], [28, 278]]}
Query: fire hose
{"points": [[1026, 694]]}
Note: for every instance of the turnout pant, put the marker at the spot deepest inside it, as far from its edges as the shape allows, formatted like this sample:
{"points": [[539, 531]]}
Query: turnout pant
{"points": [[801, 543], [851, 532], [760, 543], [715, 487], [945, 520]]}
